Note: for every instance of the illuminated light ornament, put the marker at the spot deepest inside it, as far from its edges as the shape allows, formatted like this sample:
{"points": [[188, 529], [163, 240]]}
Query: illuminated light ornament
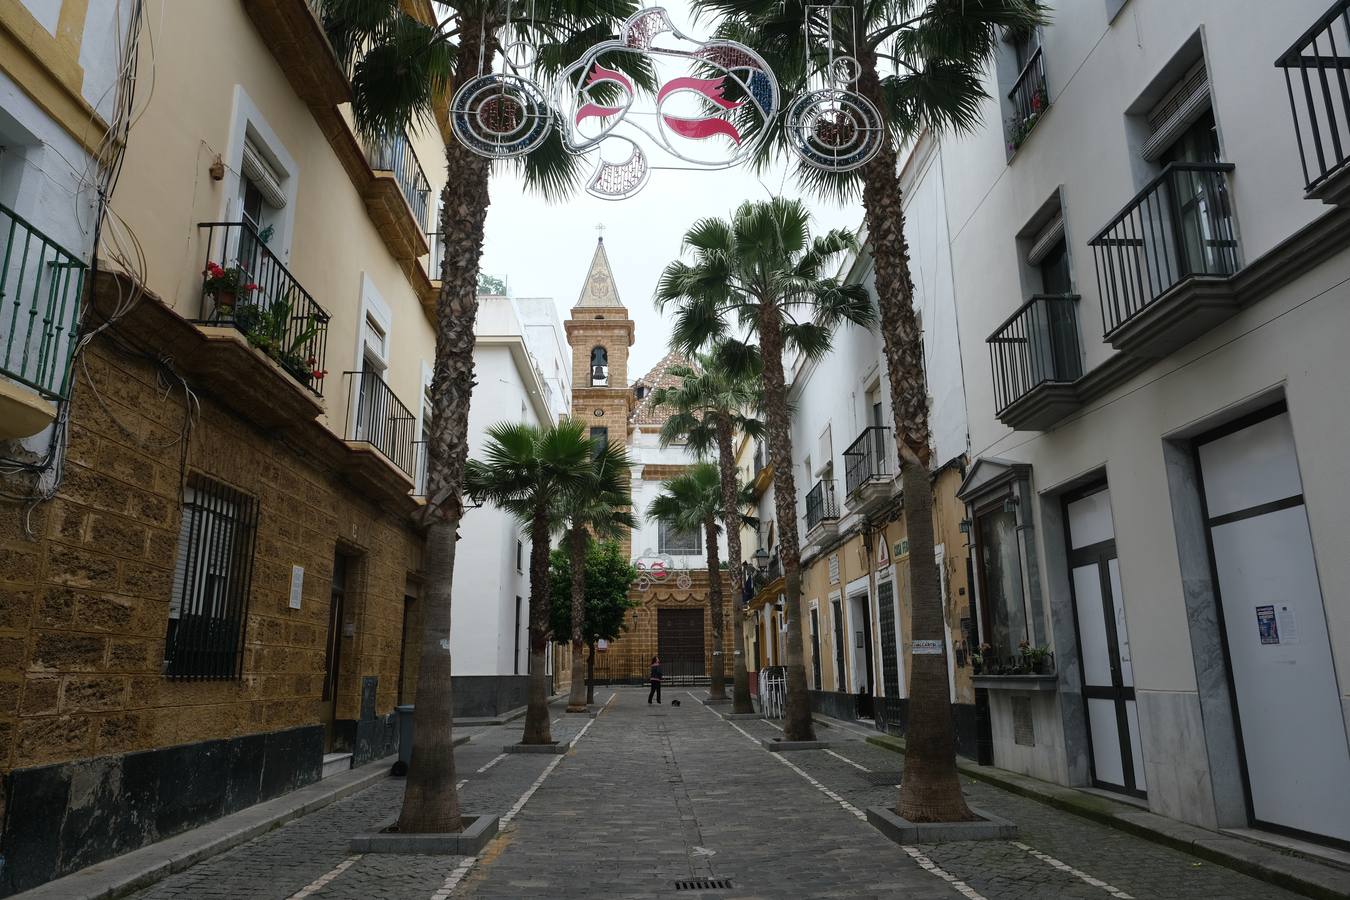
{"points": [[500, 115], [710, 113], [834, 130]]}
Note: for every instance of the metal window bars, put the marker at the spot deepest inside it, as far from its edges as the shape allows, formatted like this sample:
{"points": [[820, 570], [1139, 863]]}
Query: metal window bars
{"points": [[1037, 344], [394, 153], [244, 284], [435, 259], [1316, 69], [41, 286], [821, 504], [1181, 225], [212, 574], [1028, 99], [379, 418], [870, 458]]}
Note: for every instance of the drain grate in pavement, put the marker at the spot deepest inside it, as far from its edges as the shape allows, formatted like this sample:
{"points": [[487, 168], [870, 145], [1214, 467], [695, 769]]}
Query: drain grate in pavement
{"points": [[704, 884], [881, 777]]}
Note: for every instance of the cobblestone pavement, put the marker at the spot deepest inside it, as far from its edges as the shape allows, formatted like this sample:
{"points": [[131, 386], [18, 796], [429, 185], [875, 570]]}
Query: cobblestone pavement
{"points": [[653, 795]]}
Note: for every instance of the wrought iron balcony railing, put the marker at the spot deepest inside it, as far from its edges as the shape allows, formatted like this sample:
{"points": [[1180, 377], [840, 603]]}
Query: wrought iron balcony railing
{"points": [[434, 259], [1181, 225], [821, 504], [1029, 99], [1037, 344], [41, 286], [377, 417], [870, 458], [1316, 72], [244, 284], [394, 153]]}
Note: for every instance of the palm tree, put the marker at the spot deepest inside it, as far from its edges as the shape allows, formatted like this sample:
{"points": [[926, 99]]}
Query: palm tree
{"points": [[692, 501], [405, 71], [713, 403], [763, 273], [598, 507], [934, 53], [524, 469]]}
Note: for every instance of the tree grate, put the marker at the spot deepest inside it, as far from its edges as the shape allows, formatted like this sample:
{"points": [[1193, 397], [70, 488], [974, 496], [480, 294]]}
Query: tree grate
{"points": [[704, 884], [889, 778]]}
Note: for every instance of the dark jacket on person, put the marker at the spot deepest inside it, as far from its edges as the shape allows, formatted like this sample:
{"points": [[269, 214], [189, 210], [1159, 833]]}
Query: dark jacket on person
{"points": [[655, 673]]}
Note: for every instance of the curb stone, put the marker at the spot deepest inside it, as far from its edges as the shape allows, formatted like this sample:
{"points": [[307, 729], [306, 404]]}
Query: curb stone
{"points": [[1271, 866]]}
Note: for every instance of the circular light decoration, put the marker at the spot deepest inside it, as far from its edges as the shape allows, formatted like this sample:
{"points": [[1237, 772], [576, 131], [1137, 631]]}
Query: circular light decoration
{"points": [[500, 116], [833, 130], [599, 412], [844, 70]]}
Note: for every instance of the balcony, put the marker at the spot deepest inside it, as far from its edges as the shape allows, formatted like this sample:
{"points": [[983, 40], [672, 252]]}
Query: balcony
{"points": [[41, 288], [245, 287], [870, 467], [382, 433], [1028, 100], [293, 31], [1035, 357], [1316, 68], [398, 195], [822, 512], [1164, 263], [427, 278]]}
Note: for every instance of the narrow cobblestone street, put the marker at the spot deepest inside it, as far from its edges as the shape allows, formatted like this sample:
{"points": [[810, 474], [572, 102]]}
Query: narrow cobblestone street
{"points": [[652, 795]]}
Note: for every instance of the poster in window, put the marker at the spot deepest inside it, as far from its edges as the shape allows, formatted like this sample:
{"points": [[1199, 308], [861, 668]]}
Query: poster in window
{"points": [[1266, 626]]}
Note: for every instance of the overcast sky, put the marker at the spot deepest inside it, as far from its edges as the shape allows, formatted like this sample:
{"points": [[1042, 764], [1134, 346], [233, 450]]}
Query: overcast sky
{"points": [[543, 250]]}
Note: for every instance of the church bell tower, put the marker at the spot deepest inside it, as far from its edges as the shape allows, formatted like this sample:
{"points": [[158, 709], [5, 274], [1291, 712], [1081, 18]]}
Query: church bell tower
{"points": [[600, 333]]}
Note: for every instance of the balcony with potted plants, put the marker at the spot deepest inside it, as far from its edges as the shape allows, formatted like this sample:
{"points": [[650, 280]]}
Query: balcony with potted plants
{"points": [[1165, 262], [1316, 70], [1029, 99], [1030, 669], [257, 319], [870, 467], [1036, 357]]}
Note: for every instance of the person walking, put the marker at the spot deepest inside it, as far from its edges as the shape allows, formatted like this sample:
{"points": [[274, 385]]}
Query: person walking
{"points": [[655, 678]]}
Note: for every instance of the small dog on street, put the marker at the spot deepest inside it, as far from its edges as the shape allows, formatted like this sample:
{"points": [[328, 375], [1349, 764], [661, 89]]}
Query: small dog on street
{"points": [[674, 703]]}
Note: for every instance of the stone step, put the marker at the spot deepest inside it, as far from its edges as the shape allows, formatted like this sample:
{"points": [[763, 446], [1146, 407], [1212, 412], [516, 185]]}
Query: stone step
{"points": [[335, 763]]}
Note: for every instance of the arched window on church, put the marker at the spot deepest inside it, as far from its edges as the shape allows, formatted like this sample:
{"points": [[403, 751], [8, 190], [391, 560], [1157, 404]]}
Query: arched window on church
{"points": [[599, 367]]}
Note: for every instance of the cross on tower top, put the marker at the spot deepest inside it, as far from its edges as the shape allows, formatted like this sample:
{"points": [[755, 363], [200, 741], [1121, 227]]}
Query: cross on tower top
{"points": [[600, 230]]}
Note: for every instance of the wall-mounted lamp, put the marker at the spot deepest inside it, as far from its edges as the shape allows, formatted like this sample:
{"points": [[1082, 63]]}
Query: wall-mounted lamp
{"points": [[1010, 504], [967, 527], [762, 560], [217, 169]]}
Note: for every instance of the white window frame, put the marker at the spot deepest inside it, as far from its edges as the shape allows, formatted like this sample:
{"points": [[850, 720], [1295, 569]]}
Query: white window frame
{"points": [[247, 123]]}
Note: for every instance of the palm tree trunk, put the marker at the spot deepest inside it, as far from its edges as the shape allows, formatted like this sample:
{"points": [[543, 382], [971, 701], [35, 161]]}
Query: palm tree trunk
{"points": [[430, 801], [537, 730], [797, 724], [590, 675], [717, 676], [576, 699], [740, 691], [930, 790]]}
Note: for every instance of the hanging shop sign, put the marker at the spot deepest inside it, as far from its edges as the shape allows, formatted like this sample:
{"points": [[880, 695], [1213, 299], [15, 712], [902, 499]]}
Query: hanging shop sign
{"points": [[713, 103]]}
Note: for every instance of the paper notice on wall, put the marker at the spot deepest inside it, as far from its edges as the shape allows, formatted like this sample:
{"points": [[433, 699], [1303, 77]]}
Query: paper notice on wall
{"points": [[1266, 625], [926, 648], [1286, 623], [297, 585]]}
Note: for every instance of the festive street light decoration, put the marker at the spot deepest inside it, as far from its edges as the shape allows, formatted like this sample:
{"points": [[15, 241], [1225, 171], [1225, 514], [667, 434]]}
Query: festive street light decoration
{"points": [[501, 115], [832, 127], [700, 113]]}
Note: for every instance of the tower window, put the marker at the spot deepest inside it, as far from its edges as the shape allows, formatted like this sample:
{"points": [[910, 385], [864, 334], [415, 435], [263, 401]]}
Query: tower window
{"points": [[599, 367]]}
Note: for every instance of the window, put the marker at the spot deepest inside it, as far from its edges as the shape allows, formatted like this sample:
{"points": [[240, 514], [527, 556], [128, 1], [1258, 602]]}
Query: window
{"points": [[211, 576], [1022, 74], [674, 542], [599, 438], [262, 194], [1000, 570], [520, 555]]}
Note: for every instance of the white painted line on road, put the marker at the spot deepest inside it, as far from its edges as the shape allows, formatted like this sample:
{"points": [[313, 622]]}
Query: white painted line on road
{"points": [[914, 853], [548, 770], [859, 766], [322, 881], [492, 762], [1080, 875], [454, 878]]}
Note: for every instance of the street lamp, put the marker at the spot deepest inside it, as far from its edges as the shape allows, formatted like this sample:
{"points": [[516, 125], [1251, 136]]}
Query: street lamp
{"points": [[762, 560]]}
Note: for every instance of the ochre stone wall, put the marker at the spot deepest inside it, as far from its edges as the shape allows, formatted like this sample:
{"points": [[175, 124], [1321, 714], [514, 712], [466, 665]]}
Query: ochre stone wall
{"points": [[628, 657], [84, 607]]}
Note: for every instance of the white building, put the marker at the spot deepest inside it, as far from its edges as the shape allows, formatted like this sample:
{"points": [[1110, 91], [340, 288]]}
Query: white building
{"points": [[547, 342], [1159, 424]]}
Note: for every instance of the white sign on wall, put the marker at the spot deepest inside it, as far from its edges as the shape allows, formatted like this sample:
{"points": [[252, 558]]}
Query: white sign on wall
{"points": [[297, 585], [834, 568]]}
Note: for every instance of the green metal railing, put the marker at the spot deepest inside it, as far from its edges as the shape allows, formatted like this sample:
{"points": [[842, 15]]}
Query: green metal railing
{"points": [[41, 284]]}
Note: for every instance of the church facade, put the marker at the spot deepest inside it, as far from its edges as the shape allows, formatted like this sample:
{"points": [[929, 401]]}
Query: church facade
{"points": [[671, 618]]}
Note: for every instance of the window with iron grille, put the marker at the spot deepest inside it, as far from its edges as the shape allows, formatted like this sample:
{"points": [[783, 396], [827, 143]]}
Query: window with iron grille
{"points": [[211, 576], [679, 543]]}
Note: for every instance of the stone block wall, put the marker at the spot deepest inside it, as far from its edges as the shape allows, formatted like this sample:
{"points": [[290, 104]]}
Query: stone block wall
{"points": [[84, 600], [628, 658]]}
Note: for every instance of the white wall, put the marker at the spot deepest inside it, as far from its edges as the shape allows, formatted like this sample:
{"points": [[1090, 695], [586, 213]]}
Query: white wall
{"points": [[645, 449]]}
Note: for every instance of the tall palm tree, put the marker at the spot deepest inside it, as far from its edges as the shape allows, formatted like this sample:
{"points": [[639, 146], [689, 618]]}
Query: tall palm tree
{"points": [[599, 507], [921, 65], [524, 469], [762, 273], [405, 69], [713, 403], [692, 501]]}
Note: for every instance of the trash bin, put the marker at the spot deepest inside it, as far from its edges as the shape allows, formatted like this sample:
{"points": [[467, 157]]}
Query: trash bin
{"points": [[405, 726]]}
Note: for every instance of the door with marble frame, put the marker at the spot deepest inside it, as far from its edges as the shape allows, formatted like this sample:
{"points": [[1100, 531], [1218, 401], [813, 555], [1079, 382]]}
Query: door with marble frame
{"points": [[1114, 745]]}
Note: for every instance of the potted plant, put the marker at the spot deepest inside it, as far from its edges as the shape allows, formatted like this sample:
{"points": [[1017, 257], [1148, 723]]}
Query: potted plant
{"points": [[226, 287], [978, 657], [1035, 659]]}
